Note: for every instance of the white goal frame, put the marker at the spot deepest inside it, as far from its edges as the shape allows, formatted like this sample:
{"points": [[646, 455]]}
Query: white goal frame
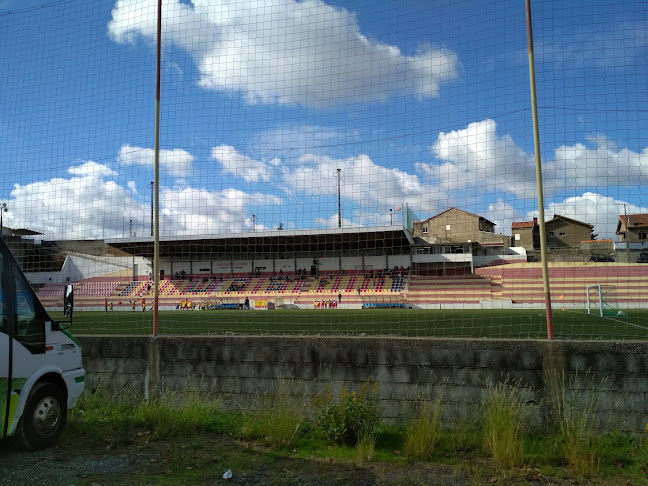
{"points": [[602, 290]]}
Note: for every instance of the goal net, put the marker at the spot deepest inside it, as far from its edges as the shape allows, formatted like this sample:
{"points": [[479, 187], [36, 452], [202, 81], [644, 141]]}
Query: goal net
{"points": [[602, 301]]}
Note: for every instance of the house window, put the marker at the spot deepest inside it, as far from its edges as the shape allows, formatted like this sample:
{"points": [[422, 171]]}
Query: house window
{"points": [[642, 236], [517, 236], [425, 229], [551, 234], [562, 234]]}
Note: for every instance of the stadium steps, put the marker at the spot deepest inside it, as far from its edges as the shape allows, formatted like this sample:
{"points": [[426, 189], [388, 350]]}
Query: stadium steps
{"points": [[449, 290], [522, 283]]}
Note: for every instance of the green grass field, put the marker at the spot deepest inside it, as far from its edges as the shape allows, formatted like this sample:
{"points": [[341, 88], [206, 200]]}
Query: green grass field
{"points": [[528, 323]]}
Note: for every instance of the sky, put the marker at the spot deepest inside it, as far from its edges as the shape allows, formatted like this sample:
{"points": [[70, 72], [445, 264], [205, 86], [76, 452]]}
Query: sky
{"points": [[272, 111]]}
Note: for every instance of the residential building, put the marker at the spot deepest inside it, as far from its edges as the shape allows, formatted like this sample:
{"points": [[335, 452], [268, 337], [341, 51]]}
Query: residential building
{"points": [[562, 232], [458, 226], [633, 228]]}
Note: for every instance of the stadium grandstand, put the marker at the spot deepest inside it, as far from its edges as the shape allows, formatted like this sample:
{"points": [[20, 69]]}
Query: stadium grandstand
{"points": [[381, 267]]}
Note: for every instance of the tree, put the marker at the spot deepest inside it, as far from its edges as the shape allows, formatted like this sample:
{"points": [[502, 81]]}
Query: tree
{"points": [[280, 227]]}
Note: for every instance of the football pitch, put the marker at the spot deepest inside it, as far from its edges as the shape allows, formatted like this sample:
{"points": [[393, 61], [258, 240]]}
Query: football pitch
{"points": [[468, 323]]}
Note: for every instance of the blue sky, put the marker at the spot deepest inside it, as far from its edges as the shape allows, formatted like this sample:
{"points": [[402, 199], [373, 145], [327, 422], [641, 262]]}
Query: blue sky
{"points": [[418, 103]]}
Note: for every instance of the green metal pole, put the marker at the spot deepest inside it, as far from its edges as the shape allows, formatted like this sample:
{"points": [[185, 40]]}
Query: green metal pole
{"points": [[538, 169]]}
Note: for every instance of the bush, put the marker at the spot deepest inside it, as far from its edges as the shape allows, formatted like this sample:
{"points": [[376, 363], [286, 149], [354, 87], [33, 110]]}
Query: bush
{"points": [[353, 417]]}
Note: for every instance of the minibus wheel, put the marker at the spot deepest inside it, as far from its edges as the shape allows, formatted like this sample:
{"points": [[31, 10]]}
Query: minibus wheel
{"points": [[44, 417]]}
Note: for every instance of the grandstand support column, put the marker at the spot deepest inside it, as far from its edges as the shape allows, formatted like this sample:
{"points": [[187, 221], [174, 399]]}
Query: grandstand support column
{"points": [[538, 168]]}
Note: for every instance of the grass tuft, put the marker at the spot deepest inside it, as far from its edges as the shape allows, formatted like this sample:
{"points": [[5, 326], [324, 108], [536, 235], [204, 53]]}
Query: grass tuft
{"points": [[351, 418], [574, 409], [504, 426], [423, 431], [277, 420]]}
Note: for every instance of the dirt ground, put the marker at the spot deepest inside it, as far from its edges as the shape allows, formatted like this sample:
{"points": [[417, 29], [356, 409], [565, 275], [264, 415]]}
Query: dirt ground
{"points": [[202, 460]]}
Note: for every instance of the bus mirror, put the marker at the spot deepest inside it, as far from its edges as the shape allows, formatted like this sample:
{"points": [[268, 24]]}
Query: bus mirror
{"points": [[68, 301]]}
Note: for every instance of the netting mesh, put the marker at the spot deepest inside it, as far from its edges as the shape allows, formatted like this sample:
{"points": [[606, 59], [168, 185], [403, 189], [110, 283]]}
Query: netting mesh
{"points": [[376, 156]]}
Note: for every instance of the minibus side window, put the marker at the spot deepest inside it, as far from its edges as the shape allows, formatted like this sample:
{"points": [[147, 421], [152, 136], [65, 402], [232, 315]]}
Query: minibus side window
{"points": [[31, 323]]}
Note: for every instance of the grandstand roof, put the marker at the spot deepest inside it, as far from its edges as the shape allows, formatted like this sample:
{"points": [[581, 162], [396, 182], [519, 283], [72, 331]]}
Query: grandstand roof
{"points": [[382, 239]]}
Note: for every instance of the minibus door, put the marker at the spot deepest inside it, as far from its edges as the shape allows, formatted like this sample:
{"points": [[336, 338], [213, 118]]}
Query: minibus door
{"points": [[6, 352]]}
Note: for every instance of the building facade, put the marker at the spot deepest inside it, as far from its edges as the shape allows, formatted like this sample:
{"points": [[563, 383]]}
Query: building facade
{"points": [[633, 228], [458, 226]]}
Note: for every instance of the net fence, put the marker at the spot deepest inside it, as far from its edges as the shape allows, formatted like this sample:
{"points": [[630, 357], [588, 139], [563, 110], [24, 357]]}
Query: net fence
{"points": [[327, 167]]}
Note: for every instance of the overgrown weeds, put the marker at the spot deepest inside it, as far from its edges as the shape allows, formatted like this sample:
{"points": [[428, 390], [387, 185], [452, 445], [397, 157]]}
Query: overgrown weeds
{"points": [[117, 413], [352, 420], [504, 425], [277, 419], [573, 412], [423, 431], [352, 417]]}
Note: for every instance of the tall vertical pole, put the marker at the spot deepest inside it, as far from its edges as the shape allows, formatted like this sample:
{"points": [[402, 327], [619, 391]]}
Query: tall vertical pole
{"points": [[339, 201], [152, 187], [130, 233], [538, 169], [156, 244]]}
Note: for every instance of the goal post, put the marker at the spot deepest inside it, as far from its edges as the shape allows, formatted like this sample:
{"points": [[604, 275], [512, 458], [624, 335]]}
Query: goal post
{"points": [[602, 300]]}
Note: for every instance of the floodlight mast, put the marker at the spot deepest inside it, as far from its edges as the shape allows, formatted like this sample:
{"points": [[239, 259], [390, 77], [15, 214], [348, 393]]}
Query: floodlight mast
{"points": [[538, 168]]}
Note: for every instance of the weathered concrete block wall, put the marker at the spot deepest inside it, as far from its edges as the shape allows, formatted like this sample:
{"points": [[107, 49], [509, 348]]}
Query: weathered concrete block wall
{"points": [[609, 377]]}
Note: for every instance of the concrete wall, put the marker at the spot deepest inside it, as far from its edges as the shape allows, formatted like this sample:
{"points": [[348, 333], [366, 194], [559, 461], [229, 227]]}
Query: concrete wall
{"points": [[613, 375]]}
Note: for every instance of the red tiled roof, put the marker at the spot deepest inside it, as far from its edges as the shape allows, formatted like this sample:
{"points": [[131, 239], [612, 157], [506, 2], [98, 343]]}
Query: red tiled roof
{"points": [[636, 220], [522, 224]]}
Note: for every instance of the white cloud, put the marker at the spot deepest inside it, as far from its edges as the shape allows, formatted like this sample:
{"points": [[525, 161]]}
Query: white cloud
{"points": [[286, 51], [177, 162], [333, 221], [596, 209], [476, 157], [602, 165], [89, 205], [198, 211], [248, 169], [92, 169], [502, 214], [616, 45], [82, 207], [361, 181], [291, 141]]}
